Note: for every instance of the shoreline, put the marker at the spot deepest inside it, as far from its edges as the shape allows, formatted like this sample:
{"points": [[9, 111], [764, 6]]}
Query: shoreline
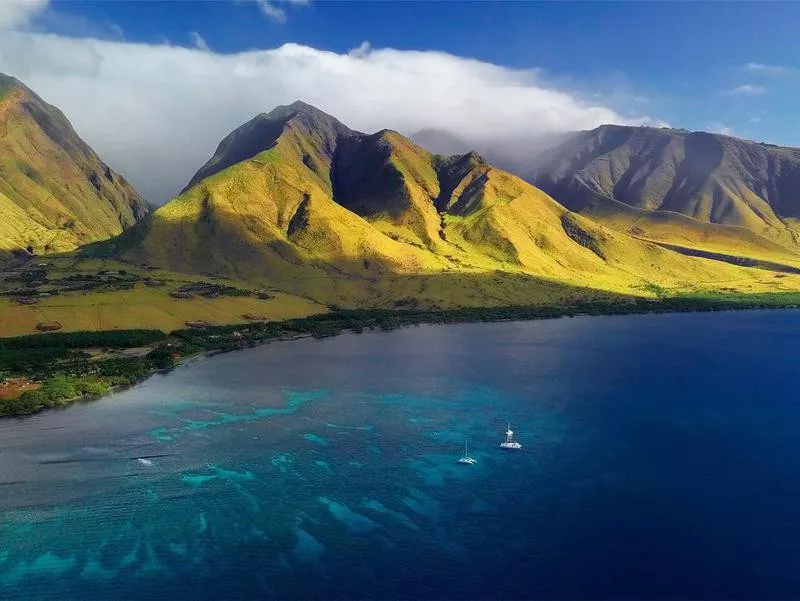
{"points": [[91, 398], [215, 340]]}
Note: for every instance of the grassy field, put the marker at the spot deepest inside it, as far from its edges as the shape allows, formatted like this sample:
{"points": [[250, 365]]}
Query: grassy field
{"points": [[680, 230], [141, 306], [144, 309]]}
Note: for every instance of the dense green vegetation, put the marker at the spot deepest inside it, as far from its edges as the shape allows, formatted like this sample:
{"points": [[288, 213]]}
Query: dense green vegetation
{"points": [[67, 373], [66, 381], [32, 359], [72, 340]]}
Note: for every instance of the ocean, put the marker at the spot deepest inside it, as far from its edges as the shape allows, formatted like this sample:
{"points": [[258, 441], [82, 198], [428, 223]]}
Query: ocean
{"points": [[660, 460]]}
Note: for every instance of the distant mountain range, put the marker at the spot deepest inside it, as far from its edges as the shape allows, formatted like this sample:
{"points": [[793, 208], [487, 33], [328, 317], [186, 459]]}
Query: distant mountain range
{"points": [[693, 189], [297, 201], [55, 192], [710, 178]]}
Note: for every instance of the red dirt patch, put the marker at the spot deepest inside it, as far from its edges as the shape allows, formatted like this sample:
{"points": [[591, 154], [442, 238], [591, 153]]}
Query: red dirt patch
{"points": [[11, 389]]}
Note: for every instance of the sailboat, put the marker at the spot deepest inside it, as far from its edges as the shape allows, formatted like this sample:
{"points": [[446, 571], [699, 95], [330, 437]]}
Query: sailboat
{"points": [[509, 442], [465, 458]]}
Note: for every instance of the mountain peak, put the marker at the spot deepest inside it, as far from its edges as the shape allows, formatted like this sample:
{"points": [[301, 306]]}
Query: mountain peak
{"points": [[310, 115], [298, 106], [264, 131]]}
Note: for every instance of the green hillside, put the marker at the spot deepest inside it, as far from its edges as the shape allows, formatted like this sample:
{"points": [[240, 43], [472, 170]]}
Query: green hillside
{"points": [[55, 192], [321, 211]]}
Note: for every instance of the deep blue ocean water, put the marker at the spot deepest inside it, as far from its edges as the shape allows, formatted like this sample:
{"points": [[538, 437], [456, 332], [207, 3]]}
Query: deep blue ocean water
{"points": [[661, 459]]}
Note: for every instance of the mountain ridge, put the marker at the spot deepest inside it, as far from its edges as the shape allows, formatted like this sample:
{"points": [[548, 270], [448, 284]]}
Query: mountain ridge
{"points": [[55, 192], [692, 190], [319, 208], [709, 177]]}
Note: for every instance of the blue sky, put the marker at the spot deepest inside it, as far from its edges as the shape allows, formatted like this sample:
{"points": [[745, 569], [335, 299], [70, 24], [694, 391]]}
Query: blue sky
{"points": [[684, 63]]}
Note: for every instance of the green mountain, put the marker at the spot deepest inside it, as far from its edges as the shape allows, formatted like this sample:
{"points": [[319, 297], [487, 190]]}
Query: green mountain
{"points": [[299, 202], [55, 192], [693, 189]]}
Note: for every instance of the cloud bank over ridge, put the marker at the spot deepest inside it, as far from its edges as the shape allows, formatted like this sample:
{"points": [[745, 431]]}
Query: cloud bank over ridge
{"points": [[157, 112]]}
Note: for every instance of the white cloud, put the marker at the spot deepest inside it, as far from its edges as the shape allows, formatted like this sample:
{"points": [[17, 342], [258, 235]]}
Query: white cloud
{"points": [[763, 69], [721, 128], [198, 41], [270, 10], [157, 112], [364, 48], [747, 90], [17, 13]]}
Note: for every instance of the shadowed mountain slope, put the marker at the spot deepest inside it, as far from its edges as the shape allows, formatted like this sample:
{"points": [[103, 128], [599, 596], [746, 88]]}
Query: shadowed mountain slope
{"points": [[55, 192], [323, 211], [711, 178]]}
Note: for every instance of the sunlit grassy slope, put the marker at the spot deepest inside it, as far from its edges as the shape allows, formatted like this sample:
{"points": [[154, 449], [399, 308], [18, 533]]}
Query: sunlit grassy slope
{"points": [[143, 306], [677, 229], [55, 192], [350, 219]]}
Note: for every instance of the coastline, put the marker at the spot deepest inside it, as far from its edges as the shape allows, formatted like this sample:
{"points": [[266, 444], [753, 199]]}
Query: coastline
{"points": [[91, 398], [213, 340]]}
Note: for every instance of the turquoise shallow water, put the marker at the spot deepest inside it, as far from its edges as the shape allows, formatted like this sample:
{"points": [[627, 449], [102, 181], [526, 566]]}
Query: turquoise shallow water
{"points": [[660, 460]]}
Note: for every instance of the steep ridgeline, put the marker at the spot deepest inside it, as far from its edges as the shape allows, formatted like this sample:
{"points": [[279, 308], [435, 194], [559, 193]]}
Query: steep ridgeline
{"points": [[299, 201], [690, 188], [55, 192]]}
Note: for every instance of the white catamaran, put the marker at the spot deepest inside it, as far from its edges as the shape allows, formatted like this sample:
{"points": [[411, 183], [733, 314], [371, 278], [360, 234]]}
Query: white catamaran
{"points": [[509, 442], [465, 458]]}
